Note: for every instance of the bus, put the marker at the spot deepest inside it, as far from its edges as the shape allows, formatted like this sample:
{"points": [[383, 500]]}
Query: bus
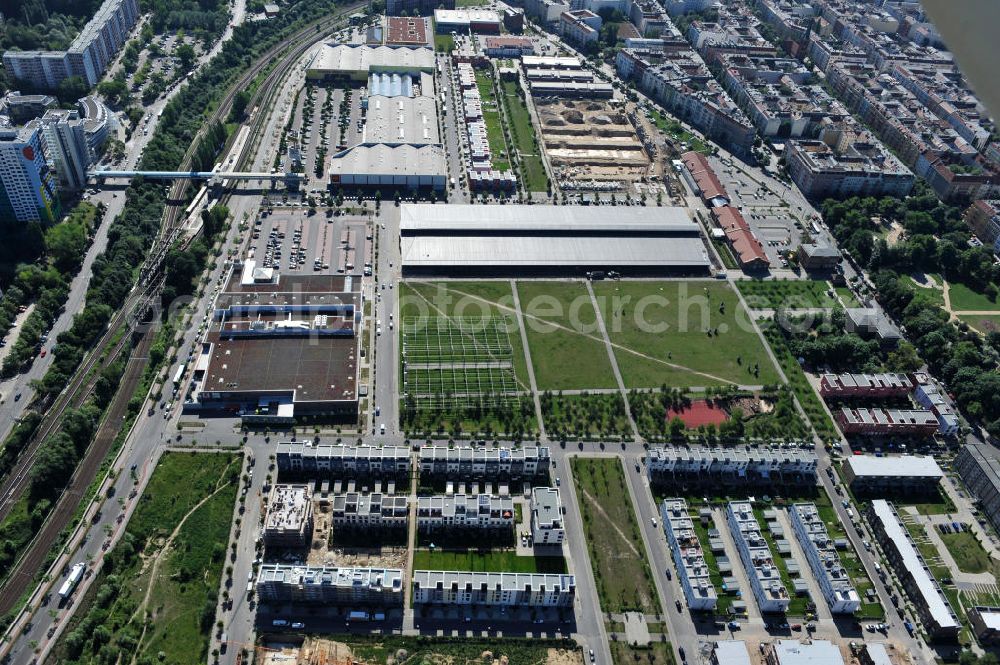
{"points": [[179, 374], [74, 577]]}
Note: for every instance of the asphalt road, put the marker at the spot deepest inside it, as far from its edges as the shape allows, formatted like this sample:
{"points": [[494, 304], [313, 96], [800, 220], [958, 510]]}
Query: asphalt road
{"points": [[153, 433]]}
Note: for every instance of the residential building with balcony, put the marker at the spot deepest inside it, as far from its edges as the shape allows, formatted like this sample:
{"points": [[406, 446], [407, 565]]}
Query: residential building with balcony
{"points": [[299, 459], [547, 526], [932, 606], [758, 561], [692, 571], [29, 191], [846, 164], [464, 513], [823, 559], [438, 587], [580, 26], [323, 585], [978, 466], [680, 82]]}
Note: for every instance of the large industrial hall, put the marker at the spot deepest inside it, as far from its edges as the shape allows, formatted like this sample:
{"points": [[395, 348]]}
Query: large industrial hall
{"points": [[457, 240]]}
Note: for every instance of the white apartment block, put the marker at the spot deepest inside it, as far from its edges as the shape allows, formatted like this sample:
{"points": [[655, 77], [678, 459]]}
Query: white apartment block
{"points": [[765, 580], [65, 136], [369, 511], [464, 462], [731, 465], [692, 571], [823, 559], [547, 526], [280, 583], [28, 188], [440, 587], [485, 512], [87, 57], [289, 521]]}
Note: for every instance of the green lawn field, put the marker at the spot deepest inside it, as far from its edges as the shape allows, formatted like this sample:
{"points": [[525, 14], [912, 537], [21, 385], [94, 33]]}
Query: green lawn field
{"points": [[787, 293], [570, 354], [984, 323], [500, 561], [523, 134], [494, 123], [700, 327], [964, 299]]}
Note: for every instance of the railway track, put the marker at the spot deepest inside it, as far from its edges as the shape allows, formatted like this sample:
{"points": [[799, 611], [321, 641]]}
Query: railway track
{"points": [[144, 296]]}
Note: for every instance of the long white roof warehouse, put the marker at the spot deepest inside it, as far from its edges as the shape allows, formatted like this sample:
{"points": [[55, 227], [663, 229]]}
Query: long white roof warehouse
{"points": [[525, 240]]}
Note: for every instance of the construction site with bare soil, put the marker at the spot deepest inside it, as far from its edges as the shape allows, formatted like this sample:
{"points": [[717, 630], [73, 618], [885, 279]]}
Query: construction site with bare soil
{"points": [[593, 141], [330, 548], [404, 651]]}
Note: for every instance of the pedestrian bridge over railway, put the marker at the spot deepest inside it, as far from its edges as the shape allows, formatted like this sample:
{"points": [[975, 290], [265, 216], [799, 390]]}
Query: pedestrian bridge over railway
{"points": [[292, 180]]}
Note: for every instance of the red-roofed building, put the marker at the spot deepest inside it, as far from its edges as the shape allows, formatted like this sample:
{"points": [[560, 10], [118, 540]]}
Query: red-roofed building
{"points": [[749, 251], [706, 182], [405, 31]]}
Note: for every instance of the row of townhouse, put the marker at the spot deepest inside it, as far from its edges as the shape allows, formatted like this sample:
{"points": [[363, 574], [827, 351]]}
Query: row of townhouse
{"points": [[692, 570], [823, 559], [887, 422], [932, 606], [323, 585], [465, 512], [765, 579], [359, 511], [878, 385], [925, 391], [494, 462], [438, 587], [742, 465], [383, 587], [301, 459]]}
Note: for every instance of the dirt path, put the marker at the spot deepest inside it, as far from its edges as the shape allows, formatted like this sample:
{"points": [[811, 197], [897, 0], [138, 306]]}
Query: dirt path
{"points": [[596, 504], [593, 337], [158, 559]]}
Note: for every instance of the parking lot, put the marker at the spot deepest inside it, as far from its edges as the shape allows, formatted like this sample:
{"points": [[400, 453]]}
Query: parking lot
{"points": [[294, 242], [775, 213]]}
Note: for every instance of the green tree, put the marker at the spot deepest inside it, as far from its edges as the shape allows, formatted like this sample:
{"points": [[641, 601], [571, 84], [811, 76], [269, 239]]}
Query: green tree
{"points": [[71, 89], [66, 244], [185, 53]]}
